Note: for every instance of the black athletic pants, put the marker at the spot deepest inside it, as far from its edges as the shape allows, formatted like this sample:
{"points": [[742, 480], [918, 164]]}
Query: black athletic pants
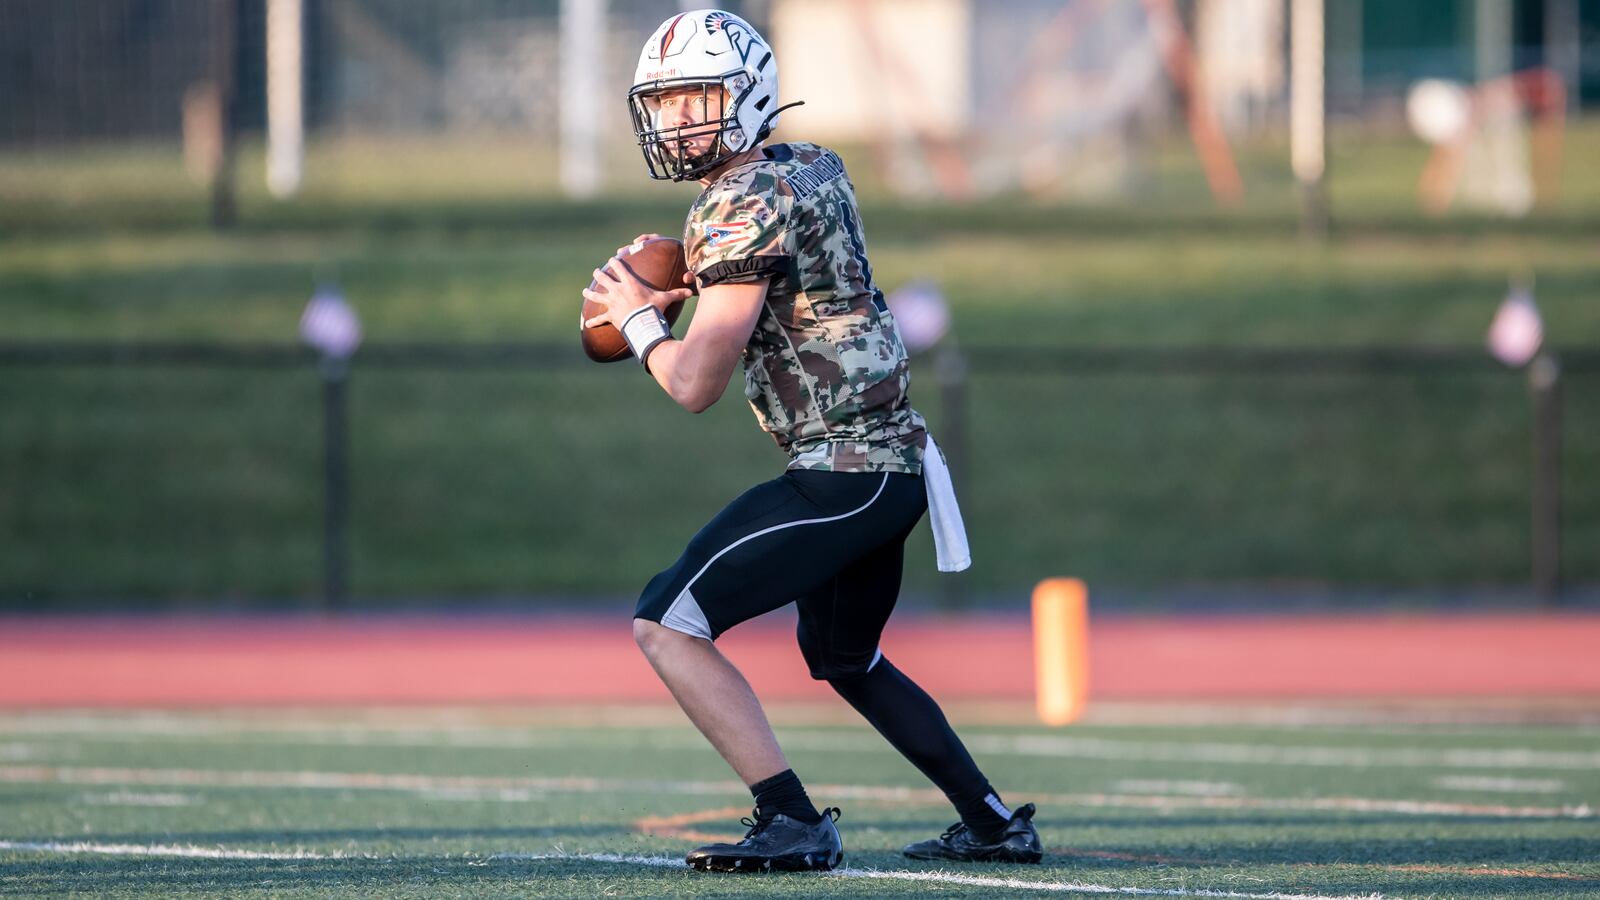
{"points": [[832, 543]]}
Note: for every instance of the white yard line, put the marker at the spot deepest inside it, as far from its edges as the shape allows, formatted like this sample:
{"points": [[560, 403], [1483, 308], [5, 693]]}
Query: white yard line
{"points": [[476, 795], [39, 751], [1333, 804], [1182, 788], [1067, 887], [1256, 754], [664, 862], [511, 787], [1380, 715], [131, 798], [293, 732], [382, 781], [1492, 784], [161, 850], [1015, 884], [1059, 746]]}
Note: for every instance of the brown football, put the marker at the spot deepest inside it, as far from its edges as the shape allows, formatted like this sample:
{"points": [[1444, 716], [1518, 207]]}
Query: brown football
{"points": [[657, 262]]}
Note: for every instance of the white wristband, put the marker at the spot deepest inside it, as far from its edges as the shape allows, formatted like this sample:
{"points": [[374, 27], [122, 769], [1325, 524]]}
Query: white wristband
{"points": [[644, 328]]}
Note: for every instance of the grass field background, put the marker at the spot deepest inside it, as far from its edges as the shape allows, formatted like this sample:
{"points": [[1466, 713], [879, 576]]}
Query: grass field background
{"points": [[193, 485], [1406, 801]]}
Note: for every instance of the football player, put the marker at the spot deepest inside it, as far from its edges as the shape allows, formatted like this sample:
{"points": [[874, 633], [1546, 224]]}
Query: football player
{"points": [[775, 246]]}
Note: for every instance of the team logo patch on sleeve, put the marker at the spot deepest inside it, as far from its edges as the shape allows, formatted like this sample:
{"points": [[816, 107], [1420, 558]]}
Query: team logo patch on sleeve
{"points": [[721, 234]]}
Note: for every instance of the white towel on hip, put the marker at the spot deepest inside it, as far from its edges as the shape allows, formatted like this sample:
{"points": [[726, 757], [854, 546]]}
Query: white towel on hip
{"points": [[944, 514]]}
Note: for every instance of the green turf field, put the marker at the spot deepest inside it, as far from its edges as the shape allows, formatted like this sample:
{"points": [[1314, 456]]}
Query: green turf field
{"points": [[186, 485], [1329, 801]]}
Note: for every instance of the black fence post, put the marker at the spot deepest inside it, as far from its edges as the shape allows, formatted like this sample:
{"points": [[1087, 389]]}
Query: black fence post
{"points": [[1544, 385], [335, 482]]}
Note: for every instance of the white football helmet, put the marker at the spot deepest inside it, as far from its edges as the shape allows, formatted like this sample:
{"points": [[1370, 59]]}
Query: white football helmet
{"points": [[728, 62]]}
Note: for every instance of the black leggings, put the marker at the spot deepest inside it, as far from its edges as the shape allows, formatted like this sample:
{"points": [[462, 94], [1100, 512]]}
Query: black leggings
{"points": [[832, 543]]}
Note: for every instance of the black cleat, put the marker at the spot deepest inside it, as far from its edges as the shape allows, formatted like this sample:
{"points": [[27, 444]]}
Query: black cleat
{"points": [[777, 843], [1019, 843]]}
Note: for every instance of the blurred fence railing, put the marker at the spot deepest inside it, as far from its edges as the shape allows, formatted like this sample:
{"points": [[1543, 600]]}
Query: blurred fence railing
{"points": [[1099, 359], [194, 473]]}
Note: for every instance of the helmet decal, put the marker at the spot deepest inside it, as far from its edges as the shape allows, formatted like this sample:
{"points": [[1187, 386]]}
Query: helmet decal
{"points": [[739, 35], [665, 49]]}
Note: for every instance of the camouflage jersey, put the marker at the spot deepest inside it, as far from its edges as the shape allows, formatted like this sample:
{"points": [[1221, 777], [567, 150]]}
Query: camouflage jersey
{"points": [[825, 369]]}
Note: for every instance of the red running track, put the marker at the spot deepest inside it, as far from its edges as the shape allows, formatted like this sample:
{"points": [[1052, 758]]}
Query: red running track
{"points": [[114, 661]]}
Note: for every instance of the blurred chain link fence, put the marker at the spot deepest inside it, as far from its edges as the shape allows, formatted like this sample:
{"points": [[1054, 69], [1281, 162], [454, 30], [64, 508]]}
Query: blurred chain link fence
{"points": [[192, 474]]}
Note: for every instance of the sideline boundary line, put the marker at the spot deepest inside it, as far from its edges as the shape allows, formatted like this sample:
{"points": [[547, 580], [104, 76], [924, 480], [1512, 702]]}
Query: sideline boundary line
{"points": [[665, 862]]}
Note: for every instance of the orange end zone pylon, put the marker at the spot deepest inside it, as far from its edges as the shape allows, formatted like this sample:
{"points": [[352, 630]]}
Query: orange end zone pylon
{"points": [[1061, 649]]}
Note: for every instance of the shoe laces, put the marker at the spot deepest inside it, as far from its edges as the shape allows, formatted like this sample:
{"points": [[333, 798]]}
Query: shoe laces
{"points": [[756, 822], [953, 830]]}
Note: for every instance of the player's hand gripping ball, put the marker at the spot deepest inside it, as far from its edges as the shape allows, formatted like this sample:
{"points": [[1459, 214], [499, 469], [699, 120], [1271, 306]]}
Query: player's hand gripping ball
{"points": [[656, 261]]}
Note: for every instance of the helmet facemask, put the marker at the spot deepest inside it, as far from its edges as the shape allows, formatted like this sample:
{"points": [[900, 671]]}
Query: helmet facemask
{"points": [[668, 152]]}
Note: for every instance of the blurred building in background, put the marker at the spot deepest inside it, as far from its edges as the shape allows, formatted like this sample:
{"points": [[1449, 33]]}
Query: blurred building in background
{"points": [[967, 97]]}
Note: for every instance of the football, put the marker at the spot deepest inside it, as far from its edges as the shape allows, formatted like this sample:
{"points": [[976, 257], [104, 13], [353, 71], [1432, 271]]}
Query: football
{"points": [[657, 262]]}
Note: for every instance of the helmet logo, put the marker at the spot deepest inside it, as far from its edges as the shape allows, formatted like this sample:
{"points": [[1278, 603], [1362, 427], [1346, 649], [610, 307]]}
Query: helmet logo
{"points": [[739, 37]]}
